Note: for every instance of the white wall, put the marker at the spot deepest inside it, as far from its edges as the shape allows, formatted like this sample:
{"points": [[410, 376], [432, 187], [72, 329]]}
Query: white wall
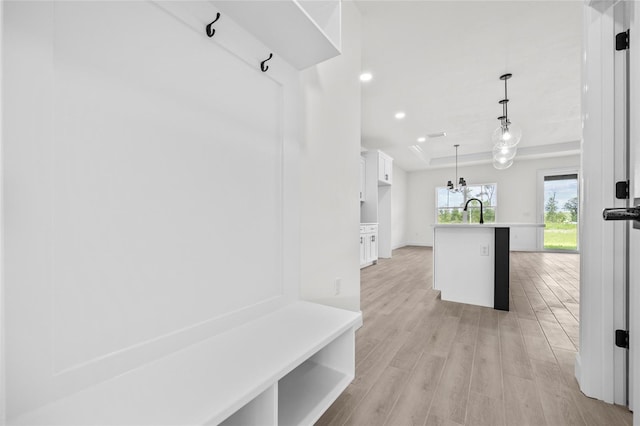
{"points": [[148, 193], [398, 208], [517, 192], [2, 304], [330, 177]]}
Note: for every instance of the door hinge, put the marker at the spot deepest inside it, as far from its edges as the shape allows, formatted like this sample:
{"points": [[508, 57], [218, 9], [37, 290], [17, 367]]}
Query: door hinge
{"points": [[622, 40], [622, 339], [622, 190]]}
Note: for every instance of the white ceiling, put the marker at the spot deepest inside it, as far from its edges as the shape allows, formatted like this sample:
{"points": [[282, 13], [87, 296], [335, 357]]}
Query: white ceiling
{"points": [[440, 62]]}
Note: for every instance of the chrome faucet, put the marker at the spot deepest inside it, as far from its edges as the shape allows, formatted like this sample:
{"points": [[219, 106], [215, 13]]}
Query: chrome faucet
{"points": [[470, 200]]}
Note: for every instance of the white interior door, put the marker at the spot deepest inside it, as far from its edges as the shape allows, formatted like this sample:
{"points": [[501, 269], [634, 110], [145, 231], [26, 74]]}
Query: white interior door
{"points": [[634, 234], [618, 63], [630, 64], [621, 230]]}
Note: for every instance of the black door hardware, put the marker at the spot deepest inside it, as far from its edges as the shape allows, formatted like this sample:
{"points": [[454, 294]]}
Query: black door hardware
{"points": [[622, 339], [622, 213], [622, 40], [622, 190]]}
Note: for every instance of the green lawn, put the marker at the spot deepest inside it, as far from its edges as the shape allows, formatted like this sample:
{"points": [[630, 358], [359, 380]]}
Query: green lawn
{"points": [[561, 236]]}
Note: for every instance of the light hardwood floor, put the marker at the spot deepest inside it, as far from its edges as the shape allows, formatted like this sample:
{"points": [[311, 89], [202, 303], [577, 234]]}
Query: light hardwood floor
{"points": [[424, 361]]}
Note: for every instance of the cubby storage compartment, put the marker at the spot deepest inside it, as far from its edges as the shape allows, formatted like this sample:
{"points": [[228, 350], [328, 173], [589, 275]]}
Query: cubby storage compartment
{"points": [[307, 391], [303, 394], [260, 411]]}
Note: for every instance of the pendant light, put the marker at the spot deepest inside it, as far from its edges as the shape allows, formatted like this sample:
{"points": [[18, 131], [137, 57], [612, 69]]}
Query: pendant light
{"points": [[462, 184], [506, 136], [504, 152], [502, 163]]}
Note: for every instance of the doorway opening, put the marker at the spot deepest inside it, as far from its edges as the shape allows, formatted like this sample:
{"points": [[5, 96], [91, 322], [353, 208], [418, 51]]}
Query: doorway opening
{"points": [[560, 204]]}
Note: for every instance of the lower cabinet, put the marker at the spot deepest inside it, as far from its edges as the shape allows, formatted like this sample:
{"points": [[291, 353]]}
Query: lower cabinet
{"points": [[368, 245]]}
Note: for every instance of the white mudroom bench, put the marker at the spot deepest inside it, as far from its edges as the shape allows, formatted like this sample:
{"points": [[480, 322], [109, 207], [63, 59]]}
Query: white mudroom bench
{"points": [[282, 368]]}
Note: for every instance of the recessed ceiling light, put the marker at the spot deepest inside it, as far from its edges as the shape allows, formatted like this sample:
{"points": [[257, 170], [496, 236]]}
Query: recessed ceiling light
{"points": [[400, 115], [366, 76], [422, 139]]}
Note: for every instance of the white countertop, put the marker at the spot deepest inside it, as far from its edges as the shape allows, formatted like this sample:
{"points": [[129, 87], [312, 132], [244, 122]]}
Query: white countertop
{"points": [[487, 225]]}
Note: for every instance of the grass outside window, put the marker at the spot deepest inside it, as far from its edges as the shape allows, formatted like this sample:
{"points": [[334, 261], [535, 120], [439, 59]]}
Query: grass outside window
{"points": [[561, 236]]}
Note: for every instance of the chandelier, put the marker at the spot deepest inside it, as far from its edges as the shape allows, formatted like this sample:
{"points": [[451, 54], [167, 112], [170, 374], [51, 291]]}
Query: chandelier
{"points": [[507, 136], [462, 184]]}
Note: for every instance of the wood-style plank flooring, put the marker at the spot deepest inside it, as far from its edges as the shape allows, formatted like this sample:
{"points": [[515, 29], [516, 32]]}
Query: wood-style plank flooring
{"points": [[424, 361]]}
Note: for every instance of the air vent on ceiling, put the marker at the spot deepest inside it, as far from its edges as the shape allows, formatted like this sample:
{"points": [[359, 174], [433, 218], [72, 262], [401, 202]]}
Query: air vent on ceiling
{"points": [[437, 135]]}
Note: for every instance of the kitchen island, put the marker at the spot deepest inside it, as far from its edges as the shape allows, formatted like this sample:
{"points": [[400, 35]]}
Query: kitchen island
{"points": [[471, 264]]}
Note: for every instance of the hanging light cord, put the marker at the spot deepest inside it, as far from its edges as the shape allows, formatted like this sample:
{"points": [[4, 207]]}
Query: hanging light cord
{"points": [[504, 105], [504, 120], [456, 163]]}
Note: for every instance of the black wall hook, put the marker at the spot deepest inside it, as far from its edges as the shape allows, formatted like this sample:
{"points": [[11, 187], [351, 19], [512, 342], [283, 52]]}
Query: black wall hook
{"points": [[210, 30], [264, 67]]}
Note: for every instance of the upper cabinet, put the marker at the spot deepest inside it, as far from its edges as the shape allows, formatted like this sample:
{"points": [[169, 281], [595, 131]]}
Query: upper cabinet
{"points": [[385, 169], [303, 32]]}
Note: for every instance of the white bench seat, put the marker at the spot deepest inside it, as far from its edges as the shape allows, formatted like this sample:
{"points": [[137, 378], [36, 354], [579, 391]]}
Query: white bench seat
{"points": [[299, 358]]}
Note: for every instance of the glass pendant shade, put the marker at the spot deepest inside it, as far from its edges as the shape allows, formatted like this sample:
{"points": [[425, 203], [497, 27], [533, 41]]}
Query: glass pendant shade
{"points": [[502, 163], [504, 152], [506, 135]]}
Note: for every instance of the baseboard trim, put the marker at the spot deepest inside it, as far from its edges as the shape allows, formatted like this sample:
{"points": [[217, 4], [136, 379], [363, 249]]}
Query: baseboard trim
{"points": [[577, 368], [397, 246], [418, 244]]}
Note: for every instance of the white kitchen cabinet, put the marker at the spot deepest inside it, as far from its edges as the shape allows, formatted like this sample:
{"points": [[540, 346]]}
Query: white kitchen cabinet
{"points": [[363, 253], [376, 209], [373, 247], [385, 169], [368, 244], [363, 179]]}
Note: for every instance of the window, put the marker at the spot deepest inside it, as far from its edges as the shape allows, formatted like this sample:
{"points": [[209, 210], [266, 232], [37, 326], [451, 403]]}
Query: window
{"points": [[449, 205]]}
